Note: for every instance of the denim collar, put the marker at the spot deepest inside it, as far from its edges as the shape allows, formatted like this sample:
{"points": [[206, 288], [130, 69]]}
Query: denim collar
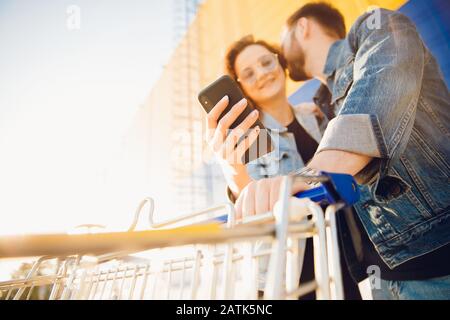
{"points": [[305, 121], [337, 56], [271, 124]]}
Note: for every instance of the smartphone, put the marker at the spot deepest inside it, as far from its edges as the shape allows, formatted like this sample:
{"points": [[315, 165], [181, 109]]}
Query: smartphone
{"points": [[223, 86]]}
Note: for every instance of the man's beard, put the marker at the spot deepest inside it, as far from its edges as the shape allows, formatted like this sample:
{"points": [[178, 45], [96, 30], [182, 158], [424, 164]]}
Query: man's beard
{"points": [[296, 67]]}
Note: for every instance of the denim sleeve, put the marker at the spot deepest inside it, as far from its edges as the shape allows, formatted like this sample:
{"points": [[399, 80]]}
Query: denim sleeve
{"points": [[377, 114]]}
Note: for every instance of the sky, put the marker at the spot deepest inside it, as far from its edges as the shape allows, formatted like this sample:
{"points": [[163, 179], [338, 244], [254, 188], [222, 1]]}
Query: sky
{"points": [[69, 88]]}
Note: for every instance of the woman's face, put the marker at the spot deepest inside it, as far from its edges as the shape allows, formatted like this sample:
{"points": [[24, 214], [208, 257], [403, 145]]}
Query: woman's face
{"points": [[260, 73]]}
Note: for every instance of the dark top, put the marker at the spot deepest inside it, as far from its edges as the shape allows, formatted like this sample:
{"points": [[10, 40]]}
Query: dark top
{"points": [[306, 145]]}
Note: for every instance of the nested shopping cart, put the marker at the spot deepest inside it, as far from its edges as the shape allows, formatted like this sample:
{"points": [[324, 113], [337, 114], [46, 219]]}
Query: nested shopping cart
{"points": [[203, 255]]}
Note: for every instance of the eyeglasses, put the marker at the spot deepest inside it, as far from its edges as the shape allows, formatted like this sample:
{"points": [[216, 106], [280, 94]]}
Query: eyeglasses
{"points": [[266, 63]]}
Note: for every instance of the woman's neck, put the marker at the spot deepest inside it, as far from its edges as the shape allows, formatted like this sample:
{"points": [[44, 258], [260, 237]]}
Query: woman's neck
{"points": [[279, 108]]}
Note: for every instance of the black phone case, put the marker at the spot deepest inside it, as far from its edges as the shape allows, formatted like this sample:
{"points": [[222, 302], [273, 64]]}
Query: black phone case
{"points": [[223, 86]]}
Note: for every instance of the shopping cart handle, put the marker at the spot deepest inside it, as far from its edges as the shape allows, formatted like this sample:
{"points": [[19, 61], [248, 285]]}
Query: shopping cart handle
{"points": [[338, 188], [222, 219]]}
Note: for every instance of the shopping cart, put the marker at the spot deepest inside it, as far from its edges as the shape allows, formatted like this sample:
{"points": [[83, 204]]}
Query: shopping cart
{"points": [[203, 255]]}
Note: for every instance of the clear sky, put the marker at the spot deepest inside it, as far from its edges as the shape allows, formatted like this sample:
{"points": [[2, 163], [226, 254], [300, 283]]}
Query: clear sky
{"points": [[66, 99]]}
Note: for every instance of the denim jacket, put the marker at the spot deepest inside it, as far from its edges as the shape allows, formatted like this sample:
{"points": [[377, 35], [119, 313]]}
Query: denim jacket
{"points": [[392, 104], [285, 157]]}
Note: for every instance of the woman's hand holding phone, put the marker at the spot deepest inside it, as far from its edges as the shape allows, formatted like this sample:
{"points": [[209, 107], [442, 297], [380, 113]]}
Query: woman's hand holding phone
{"points": [[226, 144]]}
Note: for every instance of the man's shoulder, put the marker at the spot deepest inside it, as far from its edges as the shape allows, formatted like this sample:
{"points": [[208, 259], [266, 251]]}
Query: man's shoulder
{"points": [[371, 18], [376, 19]]}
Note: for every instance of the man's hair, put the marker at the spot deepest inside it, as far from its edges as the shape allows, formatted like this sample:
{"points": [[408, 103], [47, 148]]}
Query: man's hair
{"points": [[325, 14]]}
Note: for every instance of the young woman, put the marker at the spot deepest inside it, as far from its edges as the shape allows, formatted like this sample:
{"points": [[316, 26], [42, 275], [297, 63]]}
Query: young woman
{"points": [[260, 70]]}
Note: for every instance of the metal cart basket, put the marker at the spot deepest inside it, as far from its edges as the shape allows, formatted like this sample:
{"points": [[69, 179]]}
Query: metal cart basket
{"points": [[204, 255]]}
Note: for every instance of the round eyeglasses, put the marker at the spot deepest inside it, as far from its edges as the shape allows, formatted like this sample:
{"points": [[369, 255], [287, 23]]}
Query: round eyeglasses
{"points": [[266, 63]]}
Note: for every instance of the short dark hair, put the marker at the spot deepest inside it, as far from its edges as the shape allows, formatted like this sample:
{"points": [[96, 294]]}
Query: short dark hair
{"points": [[325, 14]]}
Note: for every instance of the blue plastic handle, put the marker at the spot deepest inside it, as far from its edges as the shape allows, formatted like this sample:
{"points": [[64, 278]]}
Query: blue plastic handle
{"points": [[339, 188], [318, 194], [223, 218]]}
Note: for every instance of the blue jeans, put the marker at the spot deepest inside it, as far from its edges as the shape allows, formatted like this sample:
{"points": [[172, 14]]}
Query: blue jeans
{"points": [[431, 289]]}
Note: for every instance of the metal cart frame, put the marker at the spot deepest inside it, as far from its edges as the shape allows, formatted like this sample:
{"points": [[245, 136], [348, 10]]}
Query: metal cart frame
{"points": [[219, 257]]}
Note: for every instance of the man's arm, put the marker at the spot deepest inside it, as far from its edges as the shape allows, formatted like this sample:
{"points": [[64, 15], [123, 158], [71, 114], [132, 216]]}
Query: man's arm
{"points": [[260, 196], [378, 112], [339, 161], [335, 161]]}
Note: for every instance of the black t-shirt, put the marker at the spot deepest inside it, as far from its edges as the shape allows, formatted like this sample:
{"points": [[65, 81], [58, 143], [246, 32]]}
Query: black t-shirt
{"points": [[306, 145]]}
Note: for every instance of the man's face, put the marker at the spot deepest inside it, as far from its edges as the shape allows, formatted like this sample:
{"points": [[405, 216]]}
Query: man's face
{"points": [[294, 55]]}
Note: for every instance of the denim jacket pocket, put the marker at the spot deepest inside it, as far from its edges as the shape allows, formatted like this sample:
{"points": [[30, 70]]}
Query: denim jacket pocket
{"points": [[389, 187], [390, 208], [400, 201], [428, 171]]}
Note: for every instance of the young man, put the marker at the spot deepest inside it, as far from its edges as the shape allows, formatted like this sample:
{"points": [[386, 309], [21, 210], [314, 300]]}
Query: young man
{"points": [[389, 113]]}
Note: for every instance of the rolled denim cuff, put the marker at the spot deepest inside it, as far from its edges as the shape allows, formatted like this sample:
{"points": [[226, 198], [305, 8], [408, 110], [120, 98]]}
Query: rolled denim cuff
{"points": [[357, 133]]}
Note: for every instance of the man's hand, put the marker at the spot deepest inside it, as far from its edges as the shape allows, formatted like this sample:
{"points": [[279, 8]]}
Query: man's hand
{"points": [[260, 196]]}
